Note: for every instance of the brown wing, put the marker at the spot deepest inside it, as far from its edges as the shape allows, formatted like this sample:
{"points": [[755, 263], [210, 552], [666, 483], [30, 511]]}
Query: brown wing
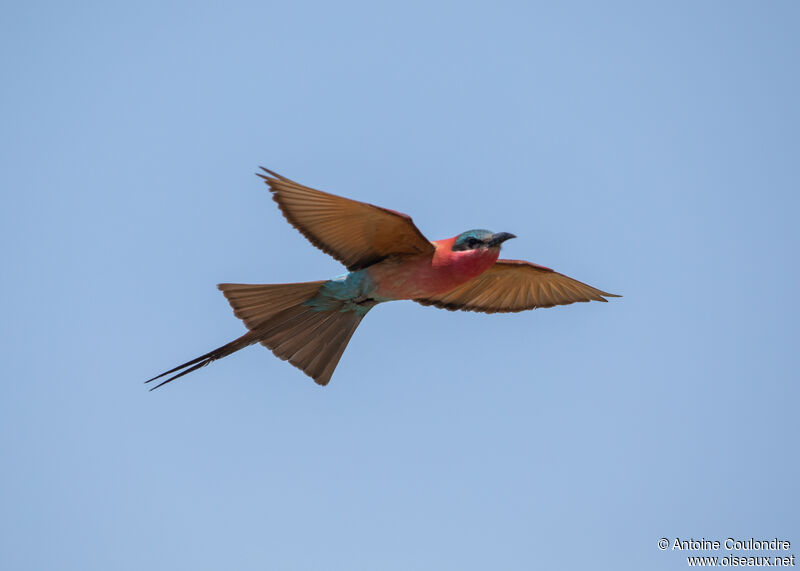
{"points": [[355, 233], [515, 285]]}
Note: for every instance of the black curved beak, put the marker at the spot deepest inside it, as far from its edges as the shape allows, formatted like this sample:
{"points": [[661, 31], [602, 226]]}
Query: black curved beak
{"points": [[499, 238]]}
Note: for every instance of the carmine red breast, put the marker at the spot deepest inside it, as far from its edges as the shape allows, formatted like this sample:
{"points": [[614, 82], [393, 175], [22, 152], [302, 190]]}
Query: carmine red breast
{"points": [[411, 278]]}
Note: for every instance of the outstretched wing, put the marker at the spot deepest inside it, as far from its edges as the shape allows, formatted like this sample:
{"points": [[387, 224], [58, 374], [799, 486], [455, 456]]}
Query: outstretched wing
{"points": [[355, 233], [514, 285]]}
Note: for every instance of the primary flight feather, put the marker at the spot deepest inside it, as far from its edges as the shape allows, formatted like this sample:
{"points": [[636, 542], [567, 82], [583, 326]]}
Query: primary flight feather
{"points": [[388, 258]]}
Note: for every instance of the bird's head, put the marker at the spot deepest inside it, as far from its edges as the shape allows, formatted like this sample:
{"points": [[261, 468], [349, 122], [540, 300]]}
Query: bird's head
{"points": [[480, 239]]}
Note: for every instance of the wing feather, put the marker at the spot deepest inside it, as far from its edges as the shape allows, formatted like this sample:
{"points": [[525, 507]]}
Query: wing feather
{"points": [[516, 285], [356, 233]]}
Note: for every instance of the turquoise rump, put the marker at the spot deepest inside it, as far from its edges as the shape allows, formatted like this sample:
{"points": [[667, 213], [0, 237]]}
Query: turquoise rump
{"points": [[354, 292]]}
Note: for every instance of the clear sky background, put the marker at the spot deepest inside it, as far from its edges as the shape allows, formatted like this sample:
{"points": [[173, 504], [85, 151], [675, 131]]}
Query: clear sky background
{"points": [[649, 149]]}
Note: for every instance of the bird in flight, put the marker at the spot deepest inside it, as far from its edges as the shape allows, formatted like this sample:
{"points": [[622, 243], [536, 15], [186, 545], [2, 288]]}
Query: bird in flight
{"points": [[387, 258]]}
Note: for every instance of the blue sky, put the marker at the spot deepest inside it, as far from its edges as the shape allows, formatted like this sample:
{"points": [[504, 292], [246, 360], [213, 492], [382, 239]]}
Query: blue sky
{"points": [[649, 149]]}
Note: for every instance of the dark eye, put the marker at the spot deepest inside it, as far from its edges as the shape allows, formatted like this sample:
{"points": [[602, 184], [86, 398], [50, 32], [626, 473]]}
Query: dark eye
{"points": [[472, 242]]}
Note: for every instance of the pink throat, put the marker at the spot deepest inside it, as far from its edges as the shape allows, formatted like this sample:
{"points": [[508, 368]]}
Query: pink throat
{"points": [[426, 276]]}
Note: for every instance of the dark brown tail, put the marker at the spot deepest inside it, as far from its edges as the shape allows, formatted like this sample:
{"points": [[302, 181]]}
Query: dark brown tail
{"points": [[244, 341], [311, 340]]}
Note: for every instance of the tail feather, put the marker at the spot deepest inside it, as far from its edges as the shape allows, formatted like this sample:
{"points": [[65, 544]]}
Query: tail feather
{"points": [[291, 343], [323, 366], [244, 341], [311, 339], [303, 357], [321, 335], [255, 304]]}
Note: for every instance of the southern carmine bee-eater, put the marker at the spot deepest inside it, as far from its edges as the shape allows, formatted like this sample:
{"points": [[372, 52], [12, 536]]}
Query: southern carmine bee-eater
{"points": [[387, 257]]}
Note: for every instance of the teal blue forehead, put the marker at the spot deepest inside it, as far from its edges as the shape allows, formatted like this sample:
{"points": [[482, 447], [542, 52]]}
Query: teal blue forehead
{"points": [[479, 234]]}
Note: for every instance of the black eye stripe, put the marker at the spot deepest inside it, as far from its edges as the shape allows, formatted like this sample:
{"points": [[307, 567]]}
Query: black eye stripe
{"points": [[470, 244], [471, 240]]}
